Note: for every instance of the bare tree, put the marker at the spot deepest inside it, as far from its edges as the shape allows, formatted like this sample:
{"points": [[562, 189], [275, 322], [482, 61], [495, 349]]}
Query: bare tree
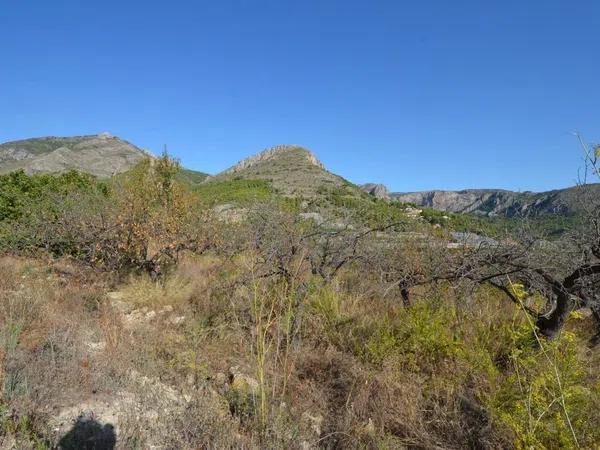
{"points": [[565, 272]]}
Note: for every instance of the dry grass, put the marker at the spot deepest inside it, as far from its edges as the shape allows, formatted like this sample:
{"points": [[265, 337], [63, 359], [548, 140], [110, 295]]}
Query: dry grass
{"points": [[335, 368], [140, 290]]}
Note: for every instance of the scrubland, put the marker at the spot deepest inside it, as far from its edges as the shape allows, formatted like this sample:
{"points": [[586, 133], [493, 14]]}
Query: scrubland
{"points": [[143, 322]]}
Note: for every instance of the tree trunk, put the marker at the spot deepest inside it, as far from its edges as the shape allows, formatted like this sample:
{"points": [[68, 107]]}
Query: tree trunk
{"points": [[405, 294], [551, 325]]}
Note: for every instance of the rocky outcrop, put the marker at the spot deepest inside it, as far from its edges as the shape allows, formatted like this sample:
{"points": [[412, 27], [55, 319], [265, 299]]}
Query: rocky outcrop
{"points": [[376, 190], [271, 153]]}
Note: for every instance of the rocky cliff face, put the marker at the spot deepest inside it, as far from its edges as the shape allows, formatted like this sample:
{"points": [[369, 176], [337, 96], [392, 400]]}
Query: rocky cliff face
{"points": [[376, 190], [497, 202], [102, 155]]}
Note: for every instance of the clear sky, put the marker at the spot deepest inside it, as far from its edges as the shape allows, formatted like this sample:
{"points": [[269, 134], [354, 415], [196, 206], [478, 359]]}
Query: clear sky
{"points": [[416, 95]]}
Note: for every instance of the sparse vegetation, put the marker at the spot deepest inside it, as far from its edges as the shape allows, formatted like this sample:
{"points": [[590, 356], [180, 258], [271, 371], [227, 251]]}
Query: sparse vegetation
{"points": [[132, 310]]}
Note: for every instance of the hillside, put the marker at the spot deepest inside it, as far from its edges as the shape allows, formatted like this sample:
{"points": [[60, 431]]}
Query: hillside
{"points": [[102, 155], [495, 202], [292, 170], [192, 177]]}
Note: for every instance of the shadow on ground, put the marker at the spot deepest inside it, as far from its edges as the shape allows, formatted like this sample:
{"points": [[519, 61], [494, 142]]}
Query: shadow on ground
{"points": [[88, 434]]}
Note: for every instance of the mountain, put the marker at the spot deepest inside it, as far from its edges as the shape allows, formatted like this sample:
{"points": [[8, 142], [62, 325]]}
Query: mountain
{"points": [[498, 202], [292, 170], [102, 155]]}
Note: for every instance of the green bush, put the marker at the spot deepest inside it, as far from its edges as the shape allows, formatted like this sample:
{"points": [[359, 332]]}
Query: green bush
{"points": [[21, 193], [237, 191], [30, 204], [420, 339], [545, 400]]}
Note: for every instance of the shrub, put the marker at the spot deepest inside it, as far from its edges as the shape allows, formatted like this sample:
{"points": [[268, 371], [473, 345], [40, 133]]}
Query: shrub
{"points": [[142, 222], [420, 340], [546, 400], [19, 193]]}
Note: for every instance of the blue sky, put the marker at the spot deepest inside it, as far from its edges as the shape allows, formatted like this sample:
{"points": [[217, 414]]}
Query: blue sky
{"points": [[416, 95]]}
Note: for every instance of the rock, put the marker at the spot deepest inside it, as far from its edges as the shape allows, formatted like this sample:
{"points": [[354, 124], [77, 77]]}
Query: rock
{"points": [[8, 443], [413, 213], [102, 409], [166, 309], [143, 400], [473, 240], [370, 427], [224, 207], [220, 379], [230, 213], [97, 346], [342, 226], [116, 301], [376, 190], [242, 383], [315, 422], [177, 320], [315, 217], [87, 432], [190, 379]]}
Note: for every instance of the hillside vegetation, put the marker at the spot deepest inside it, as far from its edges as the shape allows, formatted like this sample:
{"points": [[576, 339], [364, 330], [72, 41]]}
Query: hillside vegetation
{"points": [[152, 311]]}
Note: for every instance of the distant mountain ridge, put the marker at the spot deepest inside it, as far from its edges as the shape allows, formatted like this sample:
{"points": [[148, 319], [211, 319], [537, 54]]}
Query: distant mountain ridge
{"points": [[291, 170], [495, 202], [102, 155]]}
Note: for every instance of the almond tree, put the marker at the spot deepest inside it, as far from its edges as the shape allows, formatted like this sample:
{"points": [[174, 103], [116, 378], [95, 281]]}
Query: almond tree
{"points": [[154, 220], [566, 272]]}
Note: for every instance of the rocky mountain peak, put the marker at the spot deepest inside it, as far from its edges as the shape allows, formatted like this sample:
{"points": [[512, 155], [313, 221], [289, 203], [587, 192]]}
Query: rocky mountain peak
{"points": [[273, 153]]}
